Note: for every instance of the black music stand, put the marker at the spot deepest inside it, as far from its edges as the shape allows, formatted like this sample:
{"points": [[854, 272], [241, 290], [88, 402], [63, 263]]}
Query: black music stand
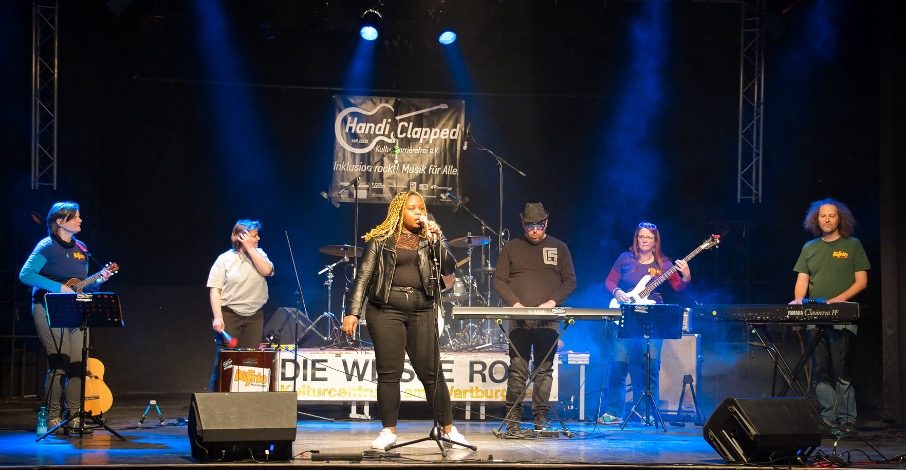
{"points": [[83, 310], [653, 321]]}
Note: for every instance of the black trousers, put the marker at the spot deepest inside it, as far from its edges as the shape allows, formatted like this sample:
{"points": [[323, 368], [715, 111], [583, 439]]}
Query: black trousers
{"points": [[405, 325]]}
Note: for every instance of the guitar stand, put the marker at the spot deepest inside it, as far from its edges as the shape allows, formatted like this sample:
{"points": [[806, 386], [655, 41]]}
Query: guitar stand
{"points": [[530, 379], [160, 416], [697, 419], [67, 308]]}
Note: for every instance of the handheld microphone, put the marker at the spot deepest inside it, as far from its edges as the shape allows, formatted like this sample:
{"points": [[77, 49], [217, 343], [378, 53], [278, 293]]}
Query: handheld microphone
{"points": [[424, 228], [451, 196], [233, 342], [465, 143]]}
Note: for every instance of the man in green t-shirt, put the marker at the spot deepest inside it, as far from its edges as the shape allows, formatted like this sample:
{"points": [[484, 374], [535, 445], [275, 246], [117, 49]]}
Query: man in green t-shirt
{"points": [[833, 268]]}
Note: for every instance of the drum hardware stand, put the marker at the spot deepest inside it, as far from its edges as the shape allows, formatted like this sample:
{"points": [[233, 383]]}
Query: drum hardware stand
{"points": [[332, 327], [160, 416], [338, 334]]}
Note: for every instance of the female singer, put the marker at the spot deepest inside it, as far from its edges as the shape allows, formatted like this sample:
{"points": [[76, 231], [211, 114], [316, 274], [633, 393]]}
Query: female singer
{"points": [[398, 277]]}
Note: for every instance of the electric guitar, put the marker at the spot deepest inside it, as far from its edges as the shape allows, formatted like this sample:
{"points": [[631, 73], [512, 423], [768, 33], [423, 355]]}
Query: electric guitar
{"points": [[639, 294]]}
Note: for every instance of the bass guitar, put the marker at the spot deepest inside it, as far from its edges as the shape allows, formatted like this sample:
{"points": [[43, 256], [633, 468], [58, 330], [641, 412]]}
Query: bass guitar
{"points": [[98, 398], [639, 294]]}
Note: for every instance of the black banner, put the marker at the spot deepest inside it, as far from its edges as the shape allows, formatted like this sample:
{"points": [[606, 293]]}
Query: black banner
{"points": [[386, 145]]}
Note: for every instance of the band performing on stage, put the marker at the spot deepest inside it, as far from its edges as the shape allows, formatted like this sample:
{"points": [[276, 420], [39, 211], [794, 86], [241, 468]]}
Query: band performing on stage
{"points": [[425, 307]]}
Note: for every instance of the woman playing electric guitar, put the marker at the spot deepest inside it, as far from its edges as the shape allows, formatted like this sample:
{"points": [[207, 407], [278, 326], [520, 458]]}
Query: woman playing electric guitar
{"points": [[644, 258]]}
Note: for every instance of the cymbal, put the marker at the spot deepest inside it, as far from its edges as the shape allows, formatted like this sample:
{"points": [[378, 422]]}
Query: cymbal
{"points": [[488, 270], [341, 250], [467, 241]]}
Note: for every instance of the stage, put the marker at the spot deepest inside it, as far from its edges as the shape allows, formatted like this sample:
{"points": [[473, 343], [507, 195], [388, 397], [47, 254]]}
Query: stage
{"points": [[326, 430]]}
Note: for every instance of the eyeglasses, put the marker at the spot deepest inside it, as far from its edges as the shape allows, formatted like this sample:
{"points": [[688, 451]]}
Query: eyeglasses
{"points": [[648, 225], [645, 237], [530, 227]]}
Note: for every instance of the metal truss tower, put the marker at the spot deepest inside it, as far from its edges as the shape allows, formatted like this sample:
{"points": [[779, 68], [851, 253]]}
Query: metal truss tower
{"points": [[45, 47], [751, 100]]}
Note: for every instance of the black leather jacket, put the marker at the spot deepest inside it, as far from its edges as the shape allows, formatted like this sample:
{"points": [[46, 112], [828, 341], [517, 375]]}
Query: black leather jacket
{"points": [[372, 282]]}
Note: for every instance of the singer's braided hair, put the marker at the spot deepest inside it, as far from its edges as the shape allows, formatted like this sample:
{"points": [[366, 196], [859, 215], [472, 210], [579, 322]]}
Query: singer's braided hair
{"points": [[393, 224]]}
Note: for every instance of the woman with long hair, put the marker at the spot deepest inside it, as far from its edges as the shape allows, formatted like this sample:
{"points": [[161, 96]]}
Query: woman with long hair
{"points": [[396, 286]]}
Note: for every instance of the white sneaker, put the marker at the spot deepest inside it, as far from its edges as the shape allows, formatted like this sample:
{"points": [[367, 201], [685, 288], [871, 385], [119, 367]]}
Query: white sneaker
{"points": [[386, 438], [455, 436]]}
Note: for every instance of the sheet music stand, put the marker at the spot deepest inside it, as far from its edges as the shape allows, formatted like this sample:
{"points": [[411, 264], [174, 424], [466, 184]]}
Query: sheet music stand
{"points": [[83, 310], [649, 321]]}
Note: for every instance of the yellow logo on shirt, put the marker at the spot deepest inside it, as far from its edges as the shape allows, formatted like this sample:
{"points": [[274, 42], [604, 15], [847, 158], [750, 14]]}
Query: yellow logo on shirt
{"points": [[841, 254], [78, 255], [653, 271]]}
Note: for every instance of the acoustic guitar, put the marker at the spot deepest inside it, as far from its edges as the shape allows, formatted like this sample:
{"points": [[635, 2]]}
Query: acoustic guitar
{"points": [[78, 284], [98, 398]]}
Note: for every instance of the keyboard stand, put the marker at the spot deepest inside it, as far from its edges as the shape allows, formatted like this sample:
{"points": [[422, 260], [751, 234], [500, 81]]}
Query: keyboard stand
{"points": [[531, 378]]}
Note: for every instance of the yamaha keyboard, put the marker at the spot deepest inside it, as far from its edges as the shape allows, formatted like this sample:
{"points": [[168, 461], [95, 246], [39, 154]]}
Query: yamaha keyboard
{"points": [[841, 312], [536, 313]]}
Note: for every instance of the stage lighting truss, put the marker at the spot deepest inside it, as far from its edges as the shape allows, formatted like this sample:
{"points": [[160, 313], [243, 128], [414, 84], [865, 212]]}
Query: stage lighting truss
{"points": [[371, 22]]}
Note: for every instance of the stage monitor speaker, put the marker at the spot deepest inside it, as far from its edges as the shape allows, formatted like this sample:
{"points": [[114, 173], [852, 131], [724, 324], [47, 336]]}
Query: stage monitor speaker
{"points": [[242, 426], [764, 430]]}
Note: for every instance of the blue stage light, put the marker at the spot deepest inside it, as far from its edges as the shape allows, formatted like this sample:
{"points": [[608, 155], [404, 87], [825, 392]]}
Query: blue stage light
{"points": [[447, 37], [371, 20]]}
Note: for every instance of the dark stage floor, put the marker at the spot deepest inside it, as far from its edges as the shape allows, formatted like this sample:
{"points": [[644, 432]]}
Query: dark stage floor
{"points": [[166, 445]]}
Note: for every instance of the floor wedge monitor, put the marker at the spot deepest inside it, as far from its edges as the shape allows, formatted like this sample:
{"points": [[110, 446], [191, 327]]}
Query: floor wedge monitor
{"points": [[227, 426], [763, 430]]}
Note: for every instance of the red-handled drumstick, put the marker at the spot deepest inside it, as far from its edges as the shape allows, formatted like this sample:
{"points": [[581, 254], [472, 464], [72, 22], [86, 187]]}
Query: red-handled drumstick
{"points": [[233, 342]]}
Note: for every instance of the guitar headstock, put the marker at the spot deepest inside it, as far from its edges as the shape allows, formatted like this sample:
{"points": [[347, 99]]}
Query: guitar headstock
{"points": [[112, 267], [710, 242]]}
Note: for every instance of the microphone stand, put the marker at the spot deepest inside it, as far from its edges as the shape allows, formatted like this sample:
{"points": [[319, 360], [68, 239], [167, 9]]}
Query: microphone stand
{"points": [[300, 299], [500, 163]]}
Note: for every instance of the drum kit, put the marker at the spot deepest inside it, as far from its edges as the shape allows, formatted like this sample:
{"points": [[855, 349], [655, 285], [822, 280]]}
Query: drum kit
{"points": [[464, 291], [459, 289]]}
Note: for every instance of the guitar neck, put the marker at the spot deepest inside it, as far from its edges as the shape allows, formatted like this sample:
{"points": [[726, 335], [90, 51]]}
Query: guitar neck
{"points": [[85, 282], [79, 285], [666, 275]]}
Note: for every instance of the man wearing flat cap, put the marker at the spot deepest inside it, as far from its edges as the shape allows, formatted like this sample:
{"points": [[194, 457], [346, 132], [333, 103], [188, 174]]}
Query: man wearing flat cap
{"points": [[535, 270]]}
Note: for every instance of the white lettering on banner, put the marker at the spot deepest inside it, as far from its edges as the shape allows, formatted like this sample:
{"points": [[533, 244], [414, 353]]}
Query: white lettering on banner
{"points": [[390, 143], [351, 376]]}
